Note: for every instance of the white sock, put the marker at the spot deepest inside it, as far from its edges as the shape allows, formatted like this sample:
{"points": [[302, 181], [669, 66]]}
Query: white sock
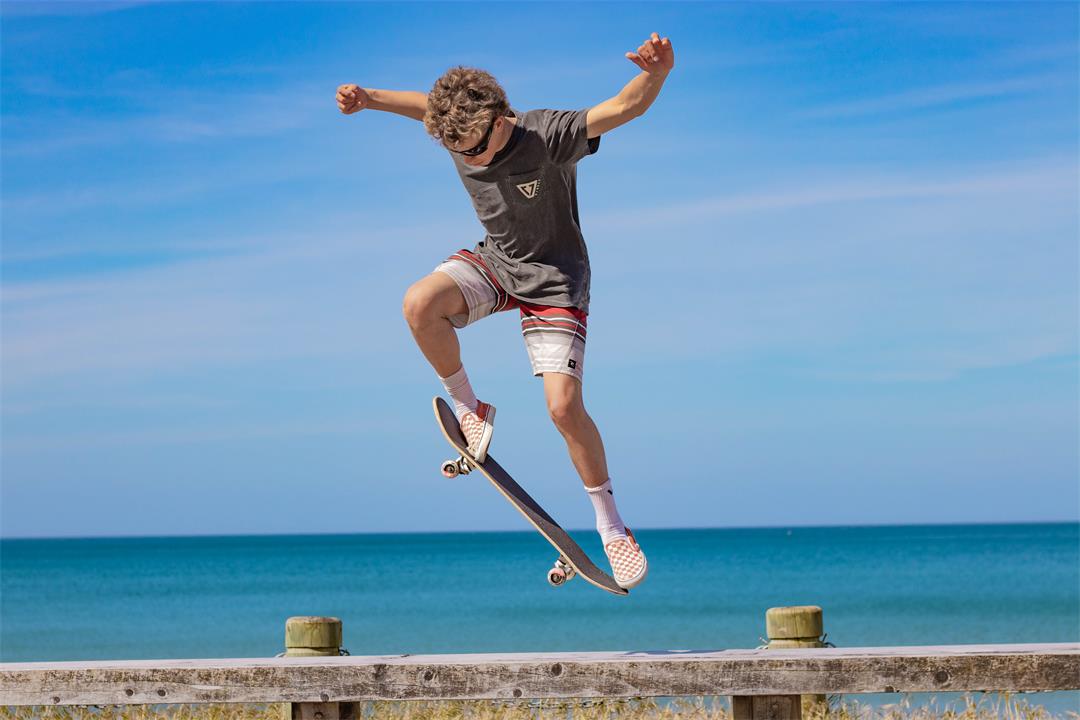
{"points": [[608, 523], [461, 392]]}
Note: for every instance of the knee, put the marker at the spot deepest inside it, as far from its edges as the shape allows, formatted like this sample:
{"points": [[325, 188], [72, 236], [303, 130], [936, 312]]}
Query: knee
{"points": [[418, 307], [566, 411]]}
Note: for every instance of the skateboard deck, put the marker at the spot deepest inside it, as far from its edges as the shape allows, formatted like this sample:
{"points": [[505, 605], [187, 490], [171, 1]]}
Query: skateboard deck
{"points": [[570, 553]]}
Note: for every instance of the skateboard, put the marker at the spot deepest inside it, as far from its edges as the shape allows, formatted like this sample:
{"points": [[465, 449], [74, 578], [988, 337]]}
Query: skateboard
{"points": [[572, 560]]}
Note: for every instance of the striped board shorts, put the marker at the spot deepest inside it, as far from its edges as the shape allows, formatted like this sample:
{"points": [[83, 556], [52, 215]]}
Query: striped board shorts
{"points": [[554, 336]]}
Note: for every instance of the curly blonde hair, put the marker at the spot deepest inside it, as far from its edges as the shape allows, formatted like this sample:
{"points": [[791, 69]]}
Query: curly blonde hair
{"points": [[463, 101]]}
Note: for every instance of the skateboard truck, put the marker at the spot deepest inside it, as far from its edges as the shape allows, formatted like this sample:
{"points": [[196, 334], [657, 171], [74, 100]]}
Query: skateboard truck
{"points": [[452, 468], [562, 572]]}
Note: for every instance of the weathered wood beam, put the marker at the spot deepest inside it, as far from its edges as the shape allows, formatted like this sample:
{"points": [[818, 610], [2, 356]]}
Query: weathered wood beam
{"points": [[1042, 667]]}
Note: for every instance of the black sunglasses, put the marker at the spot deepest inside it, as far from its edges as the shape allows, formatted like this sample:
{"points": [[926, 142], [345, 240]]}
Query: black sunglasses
{"points": [[481, 147]]}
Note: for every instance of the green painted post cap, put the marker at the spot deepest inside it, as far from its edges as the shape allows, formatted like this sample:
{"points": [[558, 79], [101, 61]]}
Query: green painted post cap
{"points": [[794, 623], [305, 635]]}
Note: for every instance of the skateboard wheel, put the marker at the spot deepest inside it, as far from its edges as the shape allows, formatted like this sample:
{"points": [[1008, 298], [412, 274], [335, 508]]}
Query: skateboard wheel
{"points": [[556, 576], [450, 469]]}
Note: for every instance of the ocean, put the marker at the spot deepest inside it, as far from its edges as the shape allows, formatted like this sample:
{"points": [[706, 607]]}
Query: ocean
{"points": [[708, 589]]}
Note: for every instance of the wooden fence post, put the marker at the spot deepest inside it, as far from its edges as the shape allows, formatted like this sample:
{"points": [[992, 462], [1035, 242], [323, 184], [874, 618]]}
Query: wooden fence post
{"points": [[311, 637], [796, 627], [786, 627]]}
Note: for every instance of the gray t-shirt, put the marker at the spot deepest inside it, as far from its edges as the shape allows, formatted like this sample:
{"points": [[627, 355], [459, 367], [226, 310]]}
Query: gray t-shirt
{"points": [[526, 199]]}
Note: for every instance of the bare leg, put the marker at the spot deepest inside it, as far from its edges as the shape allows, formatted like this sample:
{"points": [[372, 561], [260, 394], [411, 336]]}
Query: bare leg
{"points": [[429, 304], [563, 393]]}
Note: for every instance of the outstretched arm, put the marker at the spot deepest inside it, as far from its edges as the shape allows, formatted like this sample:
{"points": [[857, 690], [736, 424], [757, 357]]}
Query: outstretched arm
{"points": [[352, 99], [656, 58]]}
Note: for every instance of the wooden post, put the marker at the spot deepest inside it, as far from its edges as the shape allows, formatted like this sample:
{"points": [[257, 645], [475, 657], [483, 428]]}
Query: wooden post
{"points": [[786, 627], [314, 637], [796, 627], [766, 707]]}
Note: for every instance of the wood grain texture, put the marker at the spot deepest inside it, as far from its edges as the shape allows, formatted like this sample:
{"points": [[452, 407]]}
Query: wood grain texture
{"points": [[767, 707], [1041, 667]]}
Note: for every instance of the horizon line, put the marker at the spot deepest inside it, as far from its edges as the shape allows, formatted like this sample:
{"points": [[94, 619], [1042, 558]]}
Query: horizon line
{"points": [[570, 530]]}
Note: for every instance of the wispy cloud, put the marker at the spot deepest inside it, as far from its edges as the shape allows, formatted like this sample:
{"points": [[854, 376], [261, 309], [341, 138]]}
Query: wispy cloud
{"points": [[1043, 53], [960, 21], [60, 8], [942, 364], [190, 117], [136, 193], [289, 297], [886, 278], [166, 437], [810, 191], [939, 96]]}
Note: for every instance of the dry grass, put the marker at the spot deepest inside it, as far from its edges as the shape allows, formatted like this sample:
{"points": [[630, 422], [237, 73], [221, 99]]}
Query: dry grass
{"points": [[971, 707]]}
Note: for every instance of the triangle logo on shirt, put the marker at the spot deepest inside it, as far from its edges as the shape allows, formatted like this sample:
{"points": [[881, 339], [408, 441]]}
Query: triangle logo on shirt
{"points": [[529, 189]]}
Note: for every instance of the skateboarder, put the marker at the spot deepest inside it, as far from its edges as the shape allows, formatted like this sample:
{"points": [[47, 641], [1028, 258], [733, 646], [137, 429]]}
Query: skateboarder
{"points": [[520, 172]]}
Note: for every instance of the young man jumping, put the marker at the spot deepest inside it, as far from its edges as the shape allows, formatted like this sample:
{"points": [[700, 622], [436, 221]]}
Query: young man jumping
{"points": [[520, 171]]}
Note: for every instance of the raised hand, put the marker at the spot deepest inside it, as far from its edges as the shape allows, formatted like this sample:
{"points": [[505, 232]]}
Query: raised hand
{"points": [[352, 98], [654, 55]]}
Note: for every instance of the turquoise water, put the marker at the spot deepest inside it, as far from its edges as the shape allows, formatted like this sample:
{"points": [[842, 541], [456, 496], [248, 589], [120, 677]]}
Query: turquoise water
{"points": [[486, 592]]}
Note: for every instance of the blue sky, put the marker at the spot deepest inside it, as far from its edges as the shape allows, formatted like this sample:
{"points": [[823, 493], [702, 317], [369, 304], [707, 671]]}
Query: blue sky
{"points": [[834, 267]]}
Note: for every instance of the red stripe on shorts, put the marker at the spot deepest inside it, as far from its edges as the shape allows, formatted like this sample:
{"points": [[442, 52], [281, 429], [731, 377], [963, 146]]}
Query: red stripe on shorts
{"points": [[541, 318], [502, 298]]}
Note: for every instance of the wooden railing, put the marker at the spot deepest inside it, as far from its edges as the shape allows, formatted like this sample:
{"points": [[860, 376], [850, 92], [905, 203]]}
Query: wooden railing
{"points": [[777, 682], [769, 678]]}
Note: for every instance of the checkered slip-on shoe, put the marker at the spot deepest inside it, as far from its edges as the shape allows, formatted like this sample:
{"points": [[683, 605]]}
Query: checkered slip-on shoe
{"points": [[477, 427], [628, 563]]}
